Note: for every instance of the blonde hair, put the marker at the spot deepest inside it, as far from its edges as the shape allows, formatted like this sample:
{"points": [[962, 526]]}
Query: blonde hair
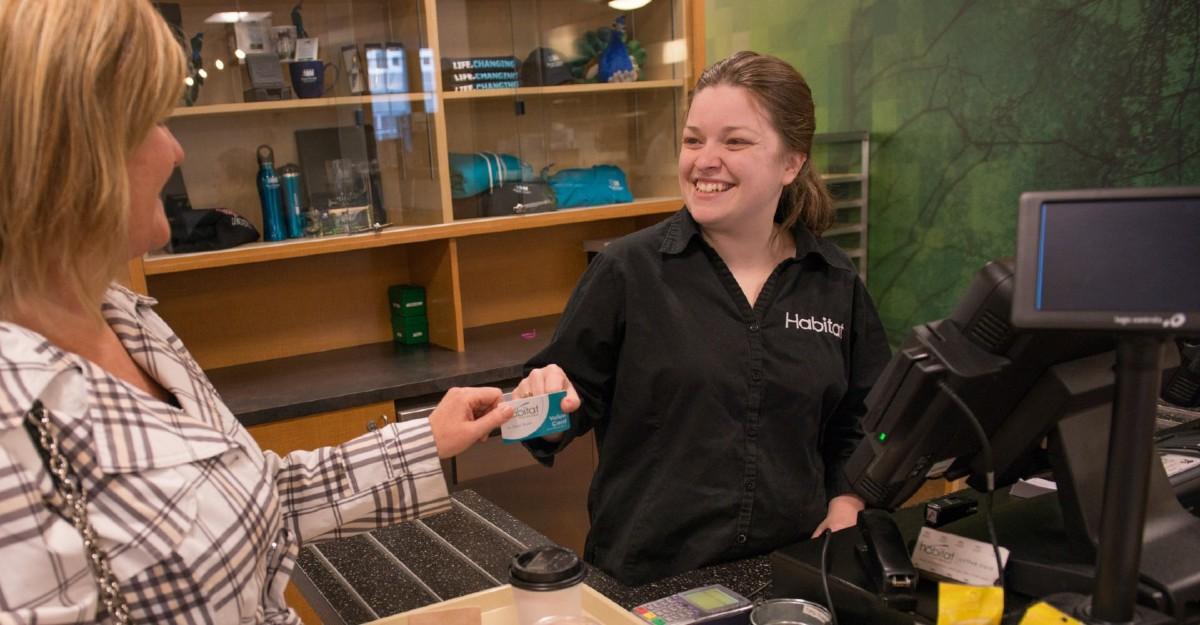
{"points": [[787, 100], [85, 81]]}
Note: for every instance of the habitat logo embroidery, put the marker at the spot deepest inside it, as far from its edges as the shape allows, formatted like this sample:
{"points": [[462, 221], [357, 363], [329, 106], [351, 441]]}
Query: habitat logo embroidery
{"points": [[812, 324]]}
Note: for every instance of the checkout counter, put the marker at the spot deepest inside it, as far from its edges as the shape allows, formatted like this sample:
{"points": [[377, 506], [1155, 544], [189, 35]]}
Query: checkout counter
{"points": [[468, 549], [462, 551]]}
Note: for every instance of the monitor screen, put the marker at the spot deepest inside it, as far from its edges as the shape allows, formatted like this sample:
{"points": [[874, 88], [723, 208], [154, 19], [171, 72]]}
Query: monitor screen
{"points": [[1117, 259]]}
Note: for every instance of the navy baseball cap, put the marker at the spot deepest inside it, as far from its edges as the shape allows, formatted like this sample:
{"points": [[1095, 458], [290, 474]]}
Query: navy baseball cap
{"points": [[545, 67]]}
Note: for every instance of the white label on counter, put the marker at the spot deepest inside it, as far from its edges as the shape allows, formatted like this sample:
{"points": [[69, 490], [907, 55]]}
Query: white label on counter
{"points": [[956, 558], [1175, 464]]}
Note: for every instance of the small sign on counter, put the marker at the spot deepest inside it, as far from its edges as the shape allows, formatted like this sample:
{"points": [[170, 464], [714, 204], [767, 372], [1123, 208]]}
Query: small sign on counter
{"points": [[953, 557]]}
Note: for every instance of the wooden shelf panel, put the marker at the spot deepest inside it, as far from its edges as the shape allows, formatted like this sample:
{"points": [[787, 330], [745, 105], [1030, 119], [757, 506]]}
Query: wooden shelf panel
{"points": [[841, 137], [840, 230], [562, 89], [280, 250], [836, 178], [293, 104]]}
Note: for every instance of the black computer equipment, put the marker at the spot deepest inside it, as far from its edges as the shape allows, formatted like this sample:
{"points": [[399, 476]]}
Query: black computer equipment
{"points": [[915, 431], [1065, 346], [1182, 445], [1182, 388]]}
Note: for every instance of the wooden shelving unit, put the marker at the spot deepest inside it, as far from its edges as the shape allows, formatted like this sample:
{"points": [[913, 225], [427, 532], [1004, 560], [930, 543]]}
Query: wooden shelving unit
{"points": [[277, 300]]}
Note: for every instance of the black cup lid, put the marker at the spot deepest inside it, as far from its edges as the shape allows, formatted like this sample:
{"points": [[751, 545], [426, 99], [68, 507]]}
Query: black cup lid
{"points": [[548, 567]]}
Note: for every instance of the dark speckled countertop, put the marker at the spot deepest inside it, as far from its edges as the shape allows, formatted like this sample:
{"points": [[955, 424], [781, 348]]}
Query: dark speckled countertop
{"points": [[458, 552], [266, 391]]}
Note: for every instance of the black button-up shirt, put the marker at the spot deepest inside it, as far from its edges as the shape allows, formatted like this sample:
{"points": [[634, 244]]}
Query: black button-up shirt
{"points": [[722, 428]]}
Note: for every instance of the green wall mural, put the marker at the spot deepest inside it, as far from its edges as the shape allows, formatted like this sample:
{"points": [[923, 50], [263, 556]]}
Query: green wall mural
{"points": [[969, 103]]}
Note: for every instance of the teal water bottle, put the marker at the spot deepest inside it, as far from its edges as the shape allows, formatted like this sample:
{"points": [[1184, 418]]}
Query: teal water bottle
{"points": [[268, 194], [293, 208]]}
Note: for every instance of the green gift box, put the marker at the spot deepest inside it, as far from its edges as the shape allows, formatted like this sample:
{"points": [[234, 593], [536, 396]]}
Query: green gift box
{"points": [[410, 330], [406, 300]]}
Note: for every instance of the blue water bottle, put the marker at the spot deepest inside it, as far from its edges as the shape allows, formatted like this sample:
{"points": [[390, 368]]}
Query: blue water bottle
{"points": [[268, 194], [293, 208]]}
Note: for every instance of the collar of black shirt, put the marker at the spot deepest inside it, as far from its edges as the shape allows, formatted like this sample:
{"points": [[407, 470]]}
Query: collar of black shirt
{"points": [[681, 229]]}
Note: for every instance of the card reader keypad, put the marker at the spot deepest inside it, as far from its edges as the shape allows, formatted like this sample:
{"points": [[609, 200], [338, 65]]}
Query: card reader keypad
{"points": [[667, 611]]}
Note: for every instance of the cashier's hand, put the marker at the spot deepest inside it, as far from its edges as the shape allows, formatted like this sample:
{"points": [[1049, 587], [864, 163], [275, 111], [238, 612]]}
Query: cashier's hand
{"points": [[843, 513], [549, 379], [466, 415]]}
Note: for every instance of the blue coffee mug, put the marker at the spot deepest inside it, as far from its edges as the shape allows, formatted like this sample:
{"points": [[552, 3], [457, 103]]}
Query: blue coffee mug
{"points": [[308, 78]]}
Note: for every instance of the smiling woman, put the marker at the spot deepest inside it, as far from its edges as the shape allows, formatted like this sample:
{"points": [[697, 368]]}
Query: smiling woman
{"points": [[723, 355]]}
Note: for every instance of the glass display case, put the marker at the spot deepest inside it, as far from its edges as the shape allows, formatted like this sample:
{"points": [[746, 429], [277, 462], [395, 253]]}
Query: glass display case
{"points": [[469, 146], [562, 114], [359, 135]]}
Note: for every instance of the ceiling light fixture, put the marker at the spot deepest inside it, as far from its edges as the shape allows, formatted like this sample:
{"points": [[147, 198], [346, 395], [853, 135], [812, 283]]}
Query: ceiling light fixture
{"points": [[627, 5], [233, 17]]}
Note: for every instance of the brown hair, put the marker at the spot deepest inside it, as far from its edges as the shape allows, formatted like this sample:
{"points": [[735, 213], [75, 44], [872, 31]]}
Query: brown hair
{"points": [[787, 100], [85, 82]]}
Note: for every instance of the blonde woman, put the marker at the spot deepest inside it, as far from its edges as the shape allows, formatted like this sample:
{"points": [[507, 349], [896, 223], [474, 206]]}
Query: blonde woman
{"points": [[108, 428]]}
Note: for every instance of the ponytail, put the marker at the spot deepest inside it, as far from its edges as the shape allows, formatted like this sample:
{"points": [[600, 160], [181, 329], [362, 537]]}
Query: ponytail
{"points": [[806, 200]]}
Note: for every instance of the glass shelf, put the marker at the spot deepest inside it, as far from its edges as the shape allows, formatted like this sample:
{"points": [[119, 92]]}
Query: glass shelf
{"points": [[294, 104]]}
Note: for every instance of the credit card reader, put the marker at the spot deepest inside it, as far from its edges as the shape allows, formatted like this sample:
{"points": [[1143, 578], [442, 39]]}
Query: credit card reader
{"points": [[711, 605]]}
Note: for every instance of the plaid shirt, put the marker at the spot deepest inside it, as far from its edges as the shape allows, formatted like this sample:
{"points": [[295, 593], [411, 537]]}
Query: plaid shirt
{"points": [[199, 523]]}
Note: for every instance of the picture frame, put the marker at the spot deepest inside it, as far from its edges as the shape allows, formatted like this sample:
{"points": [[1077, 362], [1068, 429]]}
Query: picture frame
{"points": [[264, 71], [376, 64], [352, 69], [306, 49], [316, 146], [284, 40], [252, 37]]}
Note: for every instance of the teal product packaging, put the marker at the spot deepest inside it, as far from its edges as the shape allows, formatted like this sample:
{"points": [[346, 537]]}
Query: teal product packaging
{"points": [[535, 416], [600, 184], [410, 330], [472, 174], [406, 300]]}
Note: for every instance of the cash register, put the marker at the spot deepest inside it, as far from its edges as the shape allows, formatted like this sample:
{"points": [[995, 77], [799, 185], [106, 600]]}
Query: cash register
{"points": [[1054, 355]]}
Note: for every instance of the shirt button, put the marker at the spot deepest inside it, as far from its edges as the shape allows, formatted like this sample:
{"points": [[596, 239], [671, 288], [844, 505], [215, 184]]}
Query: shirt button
{"points": [[756, 375], [754, 327], [741, 539], [749, 484]]}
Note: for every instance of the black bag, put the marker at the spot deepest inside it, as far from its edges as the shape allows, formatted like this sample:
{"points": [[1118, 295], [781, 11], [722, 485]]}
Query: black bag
{"points": [[208, 229], [517, 198]]}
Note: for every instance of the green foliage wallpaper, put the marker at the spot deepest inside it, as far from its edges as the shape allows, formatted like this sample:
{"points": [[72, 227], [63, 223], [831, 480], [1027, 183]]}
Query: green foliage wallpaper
{"points": [[969, 103]]}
